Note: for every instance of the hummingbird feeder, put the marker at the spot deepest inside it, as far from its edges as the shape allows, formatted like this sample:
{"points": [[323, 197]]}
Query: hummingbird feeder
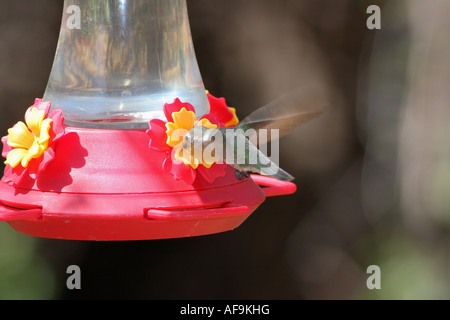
{"points": [[92, 160]]}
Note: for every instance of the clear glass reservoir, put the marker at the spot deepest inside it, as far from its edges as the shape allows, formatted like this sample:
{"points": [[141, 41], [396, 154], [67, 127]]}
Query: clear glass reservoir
{"points": [[118, 62]]}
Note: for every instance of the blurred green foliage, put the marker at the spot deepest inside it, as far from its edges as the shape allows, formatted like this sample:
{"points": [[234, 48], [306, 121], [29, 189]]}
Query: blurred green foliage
{"points": [[410, 270], [23, 275]]}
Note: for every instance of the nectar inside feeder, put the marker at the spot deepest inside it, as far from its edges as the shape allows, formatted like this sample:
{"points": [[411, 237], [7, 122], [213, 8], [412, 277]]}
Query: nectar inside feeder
{"points": [[88, 163]]}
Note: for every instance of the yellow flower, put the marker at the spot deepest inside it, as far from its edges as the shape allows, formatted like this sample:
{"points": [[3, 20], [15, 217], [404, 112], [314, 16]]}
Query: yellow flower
{"points": [[28, 141], [183, 121]]}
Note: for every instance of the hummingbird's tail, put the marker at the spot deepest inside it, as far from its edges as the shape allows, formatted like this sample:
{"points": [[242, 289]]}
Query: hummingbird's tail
{"points": [[280, 175]]}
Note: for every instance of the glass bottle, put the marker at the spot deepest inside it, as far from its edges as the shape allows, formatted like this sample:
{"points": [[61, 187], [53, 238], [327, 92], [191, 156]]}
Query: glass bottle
{"points": [[119, 61]]}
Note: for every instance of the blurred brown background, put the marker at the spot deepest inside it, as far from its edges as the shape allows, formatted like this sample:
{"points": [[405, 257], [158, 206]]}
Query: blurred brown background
{"points": [[373, 173]]}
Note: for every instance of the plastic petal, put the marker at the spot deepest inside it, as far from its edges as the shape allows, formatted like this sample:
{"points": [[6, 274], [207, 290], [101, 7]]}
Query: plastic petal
{"points": [[20, 136], [158, 135], [176, 106], [184, 119], [40, 164], [235, 121], [206, 123], [34, 118], [44, 135], [174, 134], [179, 155], [219, 112], [34, 152], [179, 171], [15, 157], [212, 173], [6, 147], [57, 130]]}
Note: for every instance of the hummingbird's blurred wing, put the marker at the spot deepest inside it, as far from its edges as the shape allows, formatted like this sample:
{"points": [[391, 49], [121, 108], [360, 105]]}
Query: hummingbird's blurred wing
{"points": [[243, 155], [285, 113]]}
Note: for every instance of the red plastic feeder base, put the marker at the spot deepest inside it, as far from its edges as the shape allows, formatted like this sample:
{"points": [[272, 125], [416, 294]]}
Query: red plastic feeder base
{"points": [[108, 185]]}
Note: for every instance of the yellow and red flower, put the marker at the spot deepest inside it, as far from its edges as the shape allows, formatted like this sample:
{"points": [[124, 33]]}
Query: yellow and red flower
{"points": [[183, 121], [181, 118], [29, 147]]}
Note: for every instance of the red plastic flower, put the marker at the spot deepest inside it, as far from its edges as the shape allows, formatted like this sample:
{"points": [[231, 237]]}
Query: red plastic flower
{"points": [[29, 147], [181, 116]]}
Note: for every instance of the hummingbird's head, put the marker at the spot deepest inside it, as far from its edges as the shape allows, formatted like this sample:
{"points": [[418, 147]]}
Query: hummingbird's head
{"points": [[198, 136], [188, 139], [195, 141], [194, 136]]}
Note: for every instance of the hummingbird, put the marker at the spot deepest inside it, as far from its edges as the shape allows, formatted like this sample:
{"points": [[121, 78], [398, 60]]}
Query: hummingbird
{"points": [[239, 146]]}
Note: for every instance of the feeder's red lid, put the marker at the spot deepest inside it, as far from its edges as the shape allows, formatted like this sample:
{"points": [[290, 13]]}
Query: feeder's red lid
{"points": [[108, 185]]}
